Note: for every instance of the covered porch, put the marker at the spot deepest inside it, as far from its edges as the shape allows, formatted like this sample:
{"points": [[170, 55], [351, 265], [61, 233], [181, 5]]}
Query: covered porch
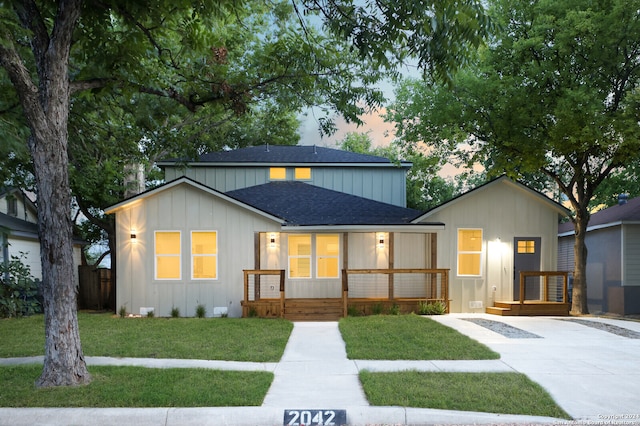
{"points": [[364, 292]]}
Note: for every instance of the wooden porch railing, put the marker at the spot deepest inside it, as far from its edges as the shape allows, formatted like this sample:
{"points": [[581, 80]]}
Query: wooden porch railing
{"points": [[427, 285], [545, 288], [264, 306]]}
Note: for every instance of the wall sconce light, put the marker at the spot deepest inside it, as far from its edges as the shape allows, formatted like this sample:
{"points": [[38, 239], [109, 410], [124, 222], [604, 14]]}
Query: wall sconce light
{"points": [[134, 236], [380, 241], [272, 240]]}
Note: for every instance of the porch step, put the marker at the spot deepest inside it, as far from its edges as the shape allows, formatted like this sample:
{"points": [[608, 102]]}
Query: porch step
{"points": [[313, 309], [529, 308], [496, 310]]}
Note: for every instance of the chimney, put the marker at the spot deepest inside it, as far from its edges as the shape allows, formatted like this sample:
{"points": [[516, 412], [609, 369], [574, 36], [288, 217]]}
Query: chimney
{"points": [[622, 199], [134, 180]]}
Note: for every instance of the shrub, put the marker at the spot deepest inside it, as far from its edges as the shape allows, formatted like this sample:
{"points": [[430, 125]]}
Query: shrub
{"points": [[150, 314], [122, 312], [377, 309], [394, 310], [201, 311], [432, 308], [19, 291], [175, 312], [353, 311]]}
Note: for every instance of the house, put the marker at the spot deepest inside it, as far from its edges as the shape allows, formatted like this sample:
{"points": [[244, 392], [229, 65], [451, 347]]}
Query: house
{"points": [[492, 233], [298, 231], [613, 260], [19, 231]]}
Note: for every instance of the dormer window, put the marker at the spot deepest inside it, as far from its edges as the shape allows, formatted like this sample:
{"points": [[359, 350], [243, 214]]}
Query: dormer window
{"points": [[303, 173], [277, 173]]}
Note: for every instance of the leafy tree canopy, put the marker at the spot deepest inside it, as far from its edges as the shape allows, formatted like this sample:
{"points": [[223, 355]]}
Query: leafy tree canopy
{"points": [[553, 97]]}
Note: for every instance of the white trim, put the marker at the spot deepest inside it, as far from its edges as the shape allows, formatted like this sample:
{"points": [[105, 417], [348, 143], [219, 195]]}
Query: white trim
{"points": [[317, 257], [458, 253], [155, 256], [309, 256], [203, 255], [363, 228]]}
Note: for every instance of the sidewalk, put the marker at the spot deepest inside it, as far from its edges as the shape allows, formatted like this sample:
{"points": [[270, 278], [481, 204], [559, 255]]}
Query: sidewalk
{"points": [[590, 373]]}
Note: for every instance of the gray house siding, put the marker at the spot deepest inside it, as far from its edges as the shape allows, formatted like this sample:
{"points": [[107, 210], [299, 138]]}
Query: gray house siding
{"points": [[386, 185]]}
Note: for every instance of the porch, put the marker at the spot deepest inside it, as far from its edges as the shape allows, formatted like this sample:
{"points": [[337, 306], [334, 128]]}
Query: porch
{"points": [[364, 292], [554, 296]]}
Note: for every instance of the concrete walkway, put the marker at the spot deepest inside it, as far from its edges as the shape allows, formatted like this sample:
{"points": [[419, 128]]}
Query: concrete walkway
{"points": [[592, 374]]}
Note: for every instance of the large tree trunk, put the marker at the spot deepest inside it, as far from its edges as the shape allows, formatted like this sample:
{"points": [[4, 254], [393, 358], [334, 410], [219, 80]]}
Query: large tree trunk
{"points": [[579, 304], [46, 104]]}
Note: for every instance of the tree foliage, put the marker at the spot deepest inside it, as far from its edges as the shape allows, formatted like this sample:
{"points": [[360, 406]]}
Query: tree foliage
{"points": [[77, 77], [425, 187], [553, 97]]}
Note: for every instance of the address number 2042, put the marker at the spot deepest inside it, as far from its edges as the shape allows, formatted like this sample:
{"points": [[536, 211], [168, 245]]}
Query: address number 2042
{"points": [[315, 417]]}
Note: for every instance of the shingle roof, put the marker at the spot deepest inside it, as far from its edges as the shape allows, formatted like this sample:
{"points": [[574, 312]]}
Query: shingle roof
{"points": [[14, 224], [302, 204], [620, 213], [288, 154]]}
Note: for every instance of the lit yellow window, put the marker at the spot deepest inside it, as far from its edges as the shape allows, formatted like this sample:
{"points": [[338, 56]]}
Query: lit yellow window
{"points": [[300, 256], [303, 173], [167, 253], [469, 251], [204, 255], [277, 173], [526, 246], [327, 255]]}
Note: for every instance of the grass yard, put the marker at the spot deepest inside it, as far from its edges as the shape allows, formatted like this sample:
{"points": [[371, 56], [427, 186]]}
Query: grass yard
{"points": [[228, 339], [407, 337], [138, 387], [506, 393]]}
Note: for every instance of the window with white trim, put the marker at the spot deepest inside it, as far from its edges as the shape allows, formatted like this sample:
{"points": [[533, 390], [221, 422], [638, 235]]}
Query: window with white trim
{"points": [[204, 255], [167, 255], [277, 173], [469, 252], [299, 256], [302, 173], [327, 255]]}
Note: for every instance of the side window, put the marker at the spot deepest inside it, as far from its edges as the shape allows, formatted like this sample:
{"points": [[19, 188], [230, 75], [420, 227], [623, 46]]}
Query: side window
{"points": [[167, 255], [300, 256], [469, 252], [277, 173], [327, 256], [204, 255]]}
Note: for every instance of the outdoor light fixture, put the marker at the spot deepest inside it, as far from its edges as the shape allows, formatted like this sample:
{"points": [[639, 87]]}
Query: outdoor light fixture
{"points": [[134, 236], [380, 241], [272, 241]]}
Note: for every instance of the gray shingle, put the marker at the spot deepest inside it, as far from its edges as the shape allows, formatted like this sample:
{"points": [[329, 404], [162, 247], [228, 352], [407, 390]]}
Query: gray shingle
{"points": [[303, 204]]}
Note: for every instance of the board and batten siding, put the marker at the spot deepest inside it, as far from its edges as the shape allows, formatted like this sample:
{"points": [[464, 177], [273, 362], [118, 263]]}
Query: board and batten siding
{"points": [[503, 211], [631, 255], [184, 208], [387, 185]]}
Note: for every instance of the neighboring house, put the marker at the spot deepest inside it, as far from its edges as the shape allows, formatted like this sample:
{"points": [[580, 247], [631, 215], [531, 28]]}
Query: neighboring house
{"points": [[333, 223], [491, 234], [613, 259], [19, 231]]}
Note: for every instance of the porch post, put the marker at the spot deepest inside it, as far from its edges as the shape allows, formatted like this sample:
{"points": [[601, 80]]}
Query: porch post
{"points": [[256, 265], [391, 266]]}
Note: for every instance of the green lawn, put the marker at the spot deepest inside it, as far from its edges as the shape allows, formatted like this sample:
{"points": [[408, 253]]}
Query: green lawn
{"points": [[138, 387], [229, 339], [407, 337], [506, 393]]}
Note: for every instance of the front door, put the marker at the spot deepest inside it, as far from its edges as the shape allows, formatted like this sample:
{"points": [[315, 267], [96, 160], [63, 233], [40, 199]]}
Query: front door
{"points": [[526, 257]]}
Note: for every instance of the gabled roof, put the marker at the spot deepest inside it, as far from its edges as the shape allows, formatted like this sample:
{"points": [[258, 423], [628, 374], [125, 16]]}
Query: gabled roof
{"points": [[294, 204], [562, 211], [306, 205], [190, 182], [287, 155], [619, 214]]}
